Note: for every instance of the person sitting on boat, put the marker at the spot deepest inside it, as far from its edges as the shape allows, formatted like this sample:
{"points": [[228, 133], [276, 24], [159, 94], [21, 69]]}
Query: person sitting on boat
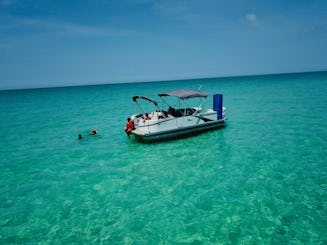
{"points": [[146, 117], [129, 126]]}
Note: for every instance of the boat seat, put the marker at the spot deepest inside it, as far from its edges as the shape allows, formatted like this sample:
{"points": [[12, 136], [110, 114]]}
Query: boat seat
{"points": [[175, 113], [189, 111]]}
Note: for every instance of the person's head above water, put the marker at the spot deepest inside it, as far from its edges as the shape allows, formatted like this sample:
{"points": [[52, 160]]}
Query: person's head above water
{"points": [[93, 131]]}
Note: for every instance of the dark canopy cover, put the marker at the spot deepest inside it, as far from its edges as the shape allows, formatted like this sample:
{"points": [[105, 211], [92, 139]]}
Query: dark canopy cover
{"points": [[185, 93], [135, 98]]}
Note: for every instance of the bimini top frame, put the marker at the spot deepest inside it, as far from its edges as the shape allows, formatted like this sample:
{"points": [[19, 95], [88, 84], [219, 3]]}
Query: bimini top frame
{"points": [[135, 98], [185, 94]]}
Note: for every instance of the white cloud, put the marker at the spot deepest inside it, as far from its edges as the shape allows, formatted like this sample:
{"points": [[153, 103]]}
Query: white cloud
{"points": [[42, 26], [252, 19], [170, 9]]}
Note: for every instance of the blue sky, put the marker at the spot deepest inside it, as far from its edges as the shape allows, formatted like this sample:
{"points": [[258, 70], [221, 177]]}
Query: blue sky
{"points": [[47, 43]]}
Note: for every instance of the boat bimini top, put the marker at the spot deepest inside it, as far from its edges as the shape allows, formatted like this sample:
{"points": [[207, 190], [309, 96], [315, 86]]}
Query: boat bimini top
{"points": [[181, 94], [185, 94]]}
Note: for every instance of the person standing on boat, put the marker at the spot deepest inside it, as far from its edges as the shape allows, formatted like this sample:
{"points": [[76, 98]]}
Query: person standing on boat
{"points": [[129, 126]]}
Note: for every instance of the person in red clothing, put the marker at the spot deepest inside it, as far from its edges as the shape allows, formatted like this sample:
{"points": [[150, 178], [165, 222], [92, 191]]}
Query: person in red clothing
{"points": [[129, 126]]}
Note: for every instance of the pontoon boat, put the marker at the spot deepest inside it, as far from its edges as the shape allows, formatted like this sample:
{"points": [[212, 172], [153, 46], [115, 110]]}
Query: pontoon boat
{"points": [[180, 121]]}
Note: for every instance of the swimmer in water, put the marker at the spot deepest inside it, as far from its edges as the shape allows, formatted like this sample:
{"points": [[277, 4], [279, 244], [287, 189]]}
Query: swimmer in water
{"points": [[93, 132]]}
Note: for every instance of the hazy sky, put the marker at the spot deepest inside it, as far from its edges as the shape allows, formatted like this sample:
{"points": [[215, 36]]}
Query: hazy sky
{"points": [[66, 42]]}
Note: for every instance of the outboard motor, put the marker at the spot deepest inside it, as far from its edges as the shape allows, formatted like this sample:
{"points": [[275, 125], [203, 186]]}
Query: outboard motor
{"points": [[218, 105]]}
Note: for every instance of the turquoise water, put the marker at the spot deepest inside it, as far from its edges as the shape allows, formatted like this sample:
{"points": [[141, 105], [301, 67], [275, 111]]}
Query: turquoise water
{"points": [[260, 180]]}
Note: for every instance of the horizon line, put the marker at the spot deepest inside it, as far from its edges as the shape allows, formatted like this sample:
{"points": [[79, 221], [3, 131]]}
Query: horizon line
{"points": [[168, 80]]}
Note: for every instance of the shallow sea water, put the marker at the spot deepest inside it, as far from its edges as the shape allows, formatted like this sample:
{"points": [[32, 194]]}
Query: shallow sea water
{"points": [[260, 180]]}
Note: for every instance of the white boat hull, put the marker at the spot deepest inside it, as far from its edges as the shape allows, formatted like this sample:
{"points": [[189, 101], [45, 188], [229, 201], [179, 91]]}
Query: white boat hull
{"points": [[171, 128], [179, 132]]}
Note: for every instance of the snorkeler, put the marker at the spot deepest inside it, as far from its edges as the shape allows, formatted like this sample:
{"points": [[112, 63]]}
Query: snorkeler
{"points": [[93, 132]]}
